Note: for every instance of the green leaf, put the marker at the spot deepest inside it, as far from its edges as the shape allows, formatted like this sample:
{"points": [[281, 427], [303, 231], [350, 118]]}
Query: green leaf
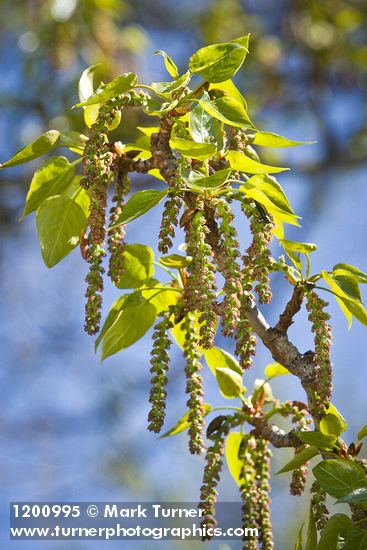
{"points": [[138, 266], [207, 183], [166, 89], [191, 149], [218, 62], [111, 318], [300, 248], [362, 433], [175, 261], [338, 293], [229, 382], [243, 163], [217, 357], [338, 477], [42, 145], [179, 333], [118, 86], [203, 127], [362, 277], [73, 141], [130, 325], [169, 64], [275, 369], [85, 86], [162, 297], [230, 90], [299, 544], [52, 177], [317, 439], [311, 541], [355, 538], [333, 423], [139, 204], [348, 303], [269, 139], [334, 527], [232, 447], [59, 223], [303, 456], [227, 110], [356, 496], [183, 423]]}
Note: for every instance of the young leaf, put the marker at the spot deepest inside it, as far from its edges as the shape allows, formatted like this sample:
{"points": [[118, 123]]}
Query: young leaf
{"points": [[304, 455], [138, 266], [174, 261], [166, 89], [230, 90], [229, 382], [139, 204], [218, 62], [73, 141], [191, 149], [118, 86], [219, 358], [275, 369], [233, 442], [227, 110], [333, 529], [85, 86], [243, 163], [318, 439], [338, 477], [169, 64], [160, 296], [356, 496], [269, 139], [362, 433], [333, 423], [203, 127], [52, 177], [362, 277], [45, 143], [311, 541], [183, 423], [114, 312], [348, 304], [213, 182], [129, 327], [59, 223], [300, 248]]}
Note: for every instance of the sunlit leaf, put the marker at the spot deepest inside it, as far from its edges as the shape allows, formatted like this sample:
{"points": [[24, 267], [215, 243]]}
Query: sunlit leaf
{"points": [[169, 64], [233, 442], [275, 369], [183, 423], [227, 110], [303, 456], [139, 204], [269, 139], [243, 163], [42, 145], [116, 87], [218, 62], [138, 266], [191, 149]]}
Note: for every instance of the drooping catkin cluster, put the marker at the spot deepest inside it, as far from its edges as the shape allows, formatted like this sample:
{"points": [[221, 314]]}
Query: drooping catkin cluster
{"points": [[211, 477], [319, 508], [94, 280], [194, 385], [230, 269], [248, 489], [299, 477], [323, 339], [200, 288], [257, 259], [170, 214], [115, 241], [262, 466], [159, 367]]}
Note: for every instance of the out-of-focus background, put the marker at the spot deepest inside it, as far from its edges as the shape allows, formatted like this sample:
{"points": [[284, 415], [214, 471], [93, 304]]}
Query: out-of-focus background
{"points": [[71, 427]]}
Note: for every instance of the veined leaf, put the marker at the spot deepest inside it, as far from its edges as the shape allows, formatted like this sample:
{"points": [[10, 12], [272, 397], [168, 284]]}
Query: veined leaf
{"points": [[218, 62], [52, 177], [165, 89], [318, 439], [333, 423], [59, 223], [203, 127], [161, 296], [227, 110], [243, 163], [217, 357], [169, 64], [139, 204], [269, 139], [183, 423], [116, 87], [44, 144], [138, 266], [303, 456], [338, 477], [334, 527], [230, 88], [356, 496], [229, 382], [213, 182], [191, 149], [261, 196], [233, 442]]}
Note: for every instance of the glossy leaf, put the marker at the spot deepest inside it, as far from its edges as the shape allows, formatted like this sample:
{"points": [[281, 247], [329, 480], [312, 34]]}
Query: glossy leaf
{"points": [[227, 110], [116, 87], [139, 204], [131, 325], [275, 369], [330, 534], [243, 163], [269, 139], [356, 496], [303, 456], [203, 127], [338, 293], [233, 442], [338, 477], [52, 177], [42, 145], [59, 223], [183, 423], [214, 182], [138, 266], [191, 149], [333, 422], [218, 62], [169, 63], [217, 357], [230, 89], [348, 304], [318, 439], [300, 248], [229, 382], [166, 89], [174, 261]]}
